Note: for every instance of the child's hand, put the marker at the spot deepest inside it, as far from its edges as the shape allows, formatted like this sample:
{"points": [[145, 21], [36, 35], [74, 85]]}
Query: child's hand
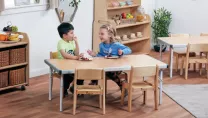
{"points": [[75, 38], [120, 52], [81, 55], [91, 53]]}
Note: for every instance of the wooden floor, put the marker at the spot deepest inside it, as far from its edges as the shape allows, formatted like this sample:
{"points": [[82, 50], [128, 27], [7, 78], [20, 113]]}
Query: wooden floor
{"points": [[34, 103]]}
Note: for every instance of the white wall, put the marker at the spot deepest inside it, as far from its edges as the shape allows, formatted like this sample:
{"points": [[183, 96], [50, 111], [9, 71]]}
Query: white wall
{"points": [[42, 30], [189, 16]]}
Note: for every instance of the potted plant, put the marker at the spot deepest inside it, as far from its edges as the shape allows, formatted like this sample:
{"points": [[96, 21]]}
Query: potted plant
{"points": [[160, 26]]}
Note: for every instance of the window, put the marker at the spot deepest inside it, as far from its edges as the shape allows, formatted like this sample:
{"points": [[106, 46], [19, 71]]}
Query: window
{"points": [[20, 6]]}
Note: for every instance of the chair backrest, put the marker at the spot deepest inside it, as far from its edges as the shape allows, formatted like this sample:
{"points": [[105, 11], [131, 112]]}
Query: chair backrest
{"points": [[197, 48], [143, 72], [89, 74], [204, 34], [53, 55], [179, 35]]}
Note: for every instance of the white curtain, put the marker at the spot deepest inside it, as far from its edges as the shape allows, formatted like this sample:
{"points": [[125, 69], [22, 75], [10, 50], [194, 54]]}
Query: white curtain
{"points": [[54, 4], [1, 5]]}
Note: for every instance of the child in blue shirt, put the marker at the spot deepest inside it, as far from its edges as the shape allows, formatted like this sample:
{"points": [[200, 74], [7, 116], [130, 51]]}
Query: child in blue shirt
{"points": [[109, 47]]}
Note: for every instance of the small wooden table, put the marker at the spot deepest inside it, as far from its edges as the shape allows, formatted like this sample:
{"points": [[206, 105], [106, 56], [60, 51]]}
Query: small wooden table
{"points": [[179, 42], [68, 66]]}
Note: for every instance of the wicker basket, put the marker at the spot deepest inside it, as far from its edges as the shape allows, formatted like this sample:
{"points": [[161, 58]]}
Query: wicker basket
{"points": [[17, 76], [128, 21], [17, 56], [3, 79], [4, 58]]}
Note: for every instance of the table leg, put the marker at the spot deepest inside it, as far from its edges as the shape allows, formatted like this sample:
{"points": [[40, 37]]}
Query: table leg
{"points": [[50, 83], [161, 87], [161, 52], [171, 62], [61, 93]]}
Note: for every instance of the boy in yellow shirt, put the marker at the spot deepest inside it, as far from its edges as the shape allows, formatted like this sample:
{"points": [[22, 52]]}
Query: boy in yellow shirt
{"points": [[68, 48]]}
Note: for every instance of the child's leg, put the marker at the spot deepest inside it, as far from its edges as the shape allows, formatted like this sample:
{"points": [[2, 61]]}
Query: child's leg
{"points": [[79, 82], [67, 80], [93, 82], [115, 77]]}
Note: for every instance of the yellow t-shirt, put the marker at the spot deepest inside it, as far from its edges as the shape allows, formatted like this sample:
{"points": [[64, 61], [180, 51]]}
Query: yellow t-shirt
{"points": [[68, 47]]}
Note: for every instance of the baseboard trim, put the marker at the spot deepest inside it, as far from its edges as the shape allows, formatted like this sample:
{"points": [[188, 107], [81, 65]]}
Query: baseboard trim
{"points": [[38, 72]]}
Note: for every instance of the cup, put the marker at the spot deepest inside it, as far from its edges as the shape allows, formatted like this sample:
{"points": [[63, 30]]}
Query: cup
{"points": [[124, 37], [139, 34], [132, 35]]}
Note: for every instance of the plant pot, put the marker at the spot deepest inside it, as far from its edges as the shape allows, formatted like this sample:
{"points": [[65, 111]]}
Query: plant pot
{"points": [[157, 48]]}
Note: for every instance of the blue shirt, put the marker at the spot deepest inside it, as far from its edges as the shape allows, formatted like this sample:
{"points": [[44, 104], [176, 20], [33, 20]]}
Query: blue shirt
{"points": [[112, 49]]}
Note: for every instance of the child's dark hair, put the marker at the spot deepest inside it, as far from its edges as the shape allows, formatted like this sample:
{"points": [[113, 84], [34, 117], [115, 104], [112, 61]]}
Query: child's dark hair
{"points": [[64, 28]]}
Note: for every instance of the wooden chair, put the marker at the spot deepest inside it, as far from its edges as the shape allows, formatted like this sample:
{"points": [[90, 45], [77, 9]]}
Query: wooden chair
{"points": [[198, 59], [90, 74], [179, 52], [54, 55], [203, 34], [144, 85]]}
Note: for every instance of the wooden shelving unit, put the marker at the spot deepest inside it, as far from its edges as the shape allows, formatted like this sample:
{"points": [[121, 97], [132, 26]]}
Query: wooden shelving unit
{"points": [[14, 69], [103, 13], [124, 7], [134, 40]]}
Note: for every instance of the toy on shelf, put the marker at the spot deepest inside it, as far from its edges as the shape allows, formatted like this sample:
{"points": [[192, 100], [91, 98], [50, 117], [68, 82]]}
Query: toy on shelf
{"points": [[114, 4], [122, 3], [132, 36], [124, 37], [141, 14], [129, 2], [124, 18], [139, 34]]}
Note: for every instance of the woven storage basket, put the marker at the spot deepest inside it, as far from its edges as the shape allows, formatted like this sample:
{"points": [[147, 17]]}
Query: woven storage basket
{"points": [[17, 76], [128, 21], [4, 58], [17, 56], [3, 79]]}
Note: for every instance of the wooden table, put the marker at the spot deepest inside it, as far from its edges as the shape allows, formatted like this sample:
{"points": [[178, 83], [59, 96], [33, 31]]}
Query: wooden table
{"points": [[121, 64], [179, 42]]}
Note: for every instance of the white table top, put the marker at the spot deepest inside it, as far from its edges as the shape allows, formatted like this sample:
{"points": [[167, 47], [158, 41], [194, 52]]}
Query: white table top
{"points": [[183, 41]]}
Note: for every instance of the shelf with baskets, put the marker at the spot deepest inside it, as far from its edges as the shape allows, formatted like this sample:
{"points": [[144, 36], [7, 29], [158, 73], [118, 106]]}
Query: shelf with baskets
{"points": [[14, 64], [126, 19]]}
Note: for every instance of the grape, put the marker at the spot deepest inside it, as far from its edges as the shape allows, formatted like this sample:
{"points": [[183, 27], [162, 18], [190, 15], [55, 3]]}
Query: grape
{"points": [[5, 29], [14, 29]]}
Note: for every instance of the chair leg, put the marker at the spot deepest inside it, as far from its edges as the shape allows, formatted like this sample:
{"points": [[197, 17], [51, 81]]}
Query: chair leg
{"points": [[156, 98], [207, 70], [200, 69], [105, 86], [186, 71], [195, 67], [129, 100], [145, 97], [100, 101], [74, 103], [122, 95], [177, 57], [103, 102], [182, 65]]}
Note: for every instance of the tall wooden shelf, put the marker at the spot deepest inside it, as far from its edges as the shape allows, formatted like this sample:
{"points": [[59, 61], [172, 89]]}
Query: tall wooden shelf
{"points": [[103, 14], [15, 73]]}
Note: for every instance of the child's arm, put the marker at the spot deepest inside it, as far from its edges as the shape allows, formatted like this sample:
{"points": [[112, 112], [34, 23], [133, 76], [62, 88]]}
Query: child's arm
{"points": [[124, 49], [77, 46], [68, 56]]}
